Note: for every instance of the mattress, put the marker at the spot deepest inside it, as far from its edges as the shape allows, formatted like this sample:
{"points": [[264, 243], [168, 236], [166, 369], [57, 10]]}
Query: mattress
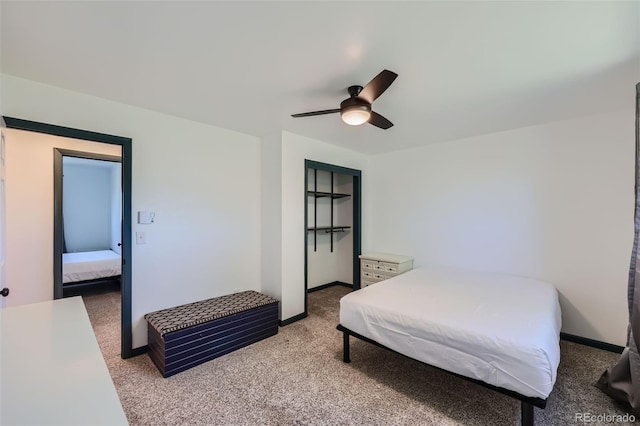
{"points": [[500, 329], [90, 265]]}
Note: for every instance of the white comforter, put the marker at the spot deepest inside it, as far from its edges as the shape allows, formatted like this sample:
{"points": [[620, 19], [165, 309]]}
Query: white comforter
{"points": [[500, 329], [90, 265]]}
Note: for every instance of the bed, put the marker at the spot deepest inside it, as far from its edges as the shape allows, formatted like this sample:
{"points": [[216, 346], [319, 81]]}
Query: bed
{"points": [[89, 268], [497, 330]]}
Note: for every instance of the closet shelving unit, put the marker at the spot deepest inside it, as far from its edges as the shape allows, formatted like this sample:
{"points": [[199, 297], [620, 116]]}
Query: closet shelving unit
{"points": [[332, 228]]}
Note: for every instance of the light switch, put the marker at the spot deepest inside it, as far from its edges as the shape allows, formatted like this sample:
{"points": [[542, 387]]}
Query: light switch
{"points": [[146, 217], [141, 237]]}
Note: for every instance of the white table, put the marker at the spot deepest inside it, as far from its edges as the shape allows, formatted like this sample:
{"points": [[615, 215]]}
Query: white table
{"points": [[51, 368]]}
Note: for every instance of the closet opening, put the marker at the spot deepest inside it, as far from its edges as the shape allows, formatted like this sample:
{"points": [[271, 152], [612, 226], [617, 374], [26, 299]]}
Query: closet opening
{"points": [[333, 229]]}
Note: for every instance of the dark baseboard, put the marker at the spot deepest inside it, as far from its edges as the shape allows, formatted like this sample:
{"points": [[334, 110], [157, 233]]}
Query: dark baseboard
{"points": [[323, 286], [293, 319], [139, 351], [593, 343]]}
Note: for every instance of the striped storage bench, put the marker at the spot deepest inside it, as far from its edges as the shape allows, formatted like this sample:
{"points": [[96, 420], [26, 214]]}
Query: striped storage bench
{"points": [[188, 335]]}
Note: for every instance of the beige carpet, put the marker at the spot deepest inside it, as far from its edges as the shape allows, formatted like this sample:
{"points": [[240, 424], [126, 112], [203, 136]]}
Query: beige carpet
{"points": [[297, 377]]}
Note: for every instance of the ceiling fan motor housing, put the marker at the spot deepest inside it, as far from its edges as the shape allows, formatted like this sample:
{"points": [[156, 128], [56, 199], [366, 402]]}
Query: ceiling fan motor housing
{"points": [[355, 103], [355, 111]]}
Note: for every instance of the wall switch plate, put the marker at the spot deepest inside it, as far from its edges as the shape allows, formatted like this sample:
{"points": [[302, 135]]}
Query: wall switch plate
{"points": [[141, 237]]}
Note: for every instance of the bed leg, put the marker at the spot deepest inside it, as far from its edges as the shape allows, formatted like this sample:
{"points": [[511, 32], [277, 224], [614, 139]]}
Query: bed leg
{"points": [[345, 347], [526, 414]]}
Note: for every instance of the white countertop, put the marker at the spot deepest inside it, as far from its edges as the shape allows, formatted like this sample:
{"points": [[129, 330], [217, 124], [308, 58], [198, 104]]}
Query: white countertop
{"points": [[51, 368]]}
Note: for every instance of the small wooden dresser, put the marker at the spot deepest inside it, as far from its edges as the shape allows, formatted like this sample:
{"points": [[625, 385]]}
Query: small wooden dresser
{"points": [[375, 267]]}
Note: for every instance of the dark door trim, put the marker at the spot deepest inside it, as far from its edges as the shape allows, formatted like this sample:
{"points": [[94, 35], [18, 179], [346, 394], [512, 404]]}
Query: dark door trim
{"points": [[126, 144], [356, 224]]}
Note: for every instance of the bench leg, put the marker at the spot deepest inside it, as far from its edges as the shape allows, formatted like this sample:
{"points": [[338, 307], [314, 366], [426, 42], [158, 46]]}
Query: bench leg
{"points": [[345, 347], [526, 414]]}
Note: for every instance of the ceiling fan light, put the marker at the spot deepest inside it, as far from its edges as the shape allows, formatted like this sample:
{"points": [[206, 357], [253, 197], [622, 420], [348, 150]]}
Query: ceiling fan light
{"points": [[356, 115]]}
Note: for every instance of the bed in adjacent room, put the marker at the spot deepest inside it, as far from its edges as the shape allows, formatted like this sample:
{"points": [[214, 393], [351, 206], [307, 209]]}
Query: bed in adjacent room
{"points": [[497, 330], [90, 267]]}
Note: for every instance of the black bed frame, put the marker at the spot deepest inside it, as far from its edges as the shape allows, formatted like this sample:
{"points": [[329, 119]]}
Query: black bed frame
{"points": [[528, 402], [76, 288]]}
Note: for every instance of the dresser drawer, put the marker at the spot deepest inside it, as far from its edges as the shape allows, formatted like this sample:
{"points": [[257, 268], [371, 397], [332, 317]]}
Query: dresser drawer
{"points": [[366, 283], [390, 268], [369, 264], [367, 274]]}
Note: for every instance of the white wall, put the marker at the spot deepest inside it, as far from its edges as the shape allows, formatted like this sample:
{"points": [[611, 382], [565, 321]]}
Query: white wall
{"points": [[29, 214], [203, 183], [271, 224], [552, 202], [295, 149], [86, 207]]}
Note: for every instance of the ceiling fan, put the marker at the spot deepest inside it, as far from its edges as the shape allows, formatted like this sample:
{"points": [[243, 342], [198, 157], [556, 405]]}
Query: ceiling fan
{"points": [[356, 109]]}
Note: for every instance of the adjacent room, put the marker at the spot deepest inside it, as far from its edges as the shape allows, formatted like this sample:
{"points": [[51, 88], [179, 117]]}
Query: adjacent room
{"points": [[372, 212], [91, 222]]}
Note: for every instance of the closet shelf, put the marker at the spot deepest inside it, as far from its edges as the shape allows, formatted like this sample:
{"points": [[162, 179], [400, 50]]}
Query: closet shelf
{"points": [[331, 195], [320, 194], [329, 229]]}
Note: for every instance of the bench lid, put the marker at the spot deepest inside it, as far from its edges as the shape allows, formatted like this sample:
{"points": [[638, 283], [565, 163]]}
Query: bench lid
{"points": [[184, 316]]}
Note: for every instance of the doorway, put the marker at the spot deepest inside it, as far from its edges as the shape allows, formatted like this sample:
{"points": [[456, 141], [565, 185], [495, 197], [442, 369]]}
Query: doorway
{"points": [[333, 227], [126, 340], [87, 217]]}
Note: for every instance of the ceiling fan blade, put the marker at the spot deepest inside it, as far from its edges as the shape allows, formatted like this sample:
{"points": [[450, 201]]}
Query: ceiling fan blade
{"points": [[379, 121], [309, 114], [377, 86]]}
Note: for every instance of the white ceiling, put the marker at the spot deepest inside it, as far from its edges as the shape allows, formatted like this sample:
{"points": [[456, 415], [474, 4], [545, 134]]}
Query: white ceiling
{"points": [[465, 68]]}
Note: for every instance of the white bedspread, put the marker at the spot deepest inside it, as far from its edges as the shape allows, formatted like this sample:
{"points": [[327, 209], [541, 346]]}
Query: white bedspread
{"points": [[500, 329], [90, 265]]}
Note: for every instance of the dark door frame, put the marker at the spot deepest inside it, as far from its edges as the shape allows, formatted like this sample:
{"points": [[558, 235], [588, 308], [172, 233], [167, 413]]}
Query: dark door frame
{"points": [[58, 204], [126, 339], [356, 226]]}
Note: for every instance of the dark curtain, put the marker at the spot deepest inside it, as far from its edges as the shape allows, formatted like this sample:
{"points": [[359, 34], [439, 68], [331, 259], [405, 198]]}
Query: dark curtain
{"points": [[622, 381]]}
